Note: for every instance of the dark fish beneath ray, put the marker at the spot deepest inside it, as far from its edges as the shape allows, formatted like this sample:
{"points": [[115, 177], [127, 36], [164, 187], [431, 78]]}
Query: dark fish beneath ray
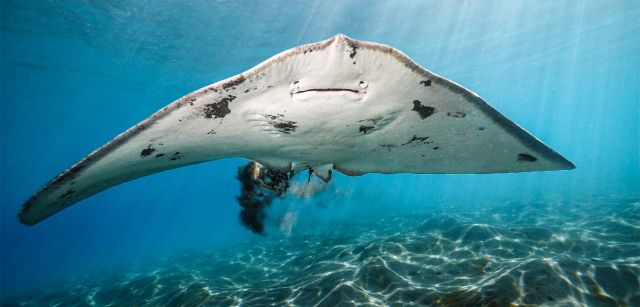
{"points": [[353, 106], [259, 187]]}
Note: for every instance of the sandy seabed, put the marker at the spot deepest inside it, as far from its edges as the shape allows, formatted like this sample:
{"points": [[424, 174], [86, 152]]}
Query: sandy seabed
{"points": [[536, 253]]}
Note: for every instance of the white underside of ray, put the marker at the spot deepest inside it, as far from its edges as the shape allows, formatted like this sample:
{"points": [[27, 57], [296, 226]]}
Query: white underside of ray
{"points": [[357, 106]]}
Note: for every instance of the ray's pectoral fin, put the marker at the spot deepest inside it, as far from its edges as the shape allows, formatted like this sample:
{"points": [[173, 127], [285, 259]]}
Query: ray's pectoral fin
{"points": [[108, 166], [176, 136], [449, 129]]}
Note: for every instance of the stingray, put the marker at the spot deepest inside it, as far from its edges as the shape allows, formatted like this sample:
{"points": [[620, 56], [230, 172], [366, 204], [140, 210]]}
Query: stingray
{"points": [[341, 104]]}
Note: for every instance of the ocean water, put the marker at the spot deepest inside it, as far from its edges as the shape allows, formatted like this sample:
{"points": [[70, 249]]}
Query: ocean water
{"points": [[74, 74]]}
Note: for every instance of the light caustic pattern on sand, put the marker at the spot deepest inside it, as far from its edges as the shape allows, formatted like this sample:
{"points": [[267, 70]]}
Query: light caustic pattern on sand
{"points": [[533, 253]]}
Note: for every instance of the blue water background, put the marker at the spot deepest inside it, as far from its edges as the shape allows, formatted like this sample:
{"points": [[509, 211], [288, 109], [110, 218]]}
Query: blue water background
{"points": [[74, 74]]}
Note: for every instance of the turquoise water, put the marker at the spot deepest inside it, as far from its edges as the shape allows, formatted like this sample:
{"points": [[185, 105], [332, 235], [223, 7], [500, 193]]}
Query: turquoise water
{"points": [[75, 74]]}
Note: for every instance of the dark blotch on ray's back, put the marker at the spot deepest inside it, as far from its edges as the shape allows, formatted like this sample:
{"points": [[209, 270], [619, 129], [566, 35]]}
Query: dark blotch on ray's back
{"points": [[365, 129], [426, 83], [457, 114], [218, 109], [176, 156], [251, 89], [525, 157], [233, 83], [283, 125], [211, 89], [189, 99], [415, 138], [423, 111], [147, 151], [354, 50]]}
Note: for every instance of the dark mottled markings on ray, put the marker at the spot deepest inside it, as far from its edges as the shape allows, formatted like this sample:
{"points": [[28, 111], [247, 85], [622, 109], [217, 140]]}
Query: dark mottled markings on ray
{"points": [[190, 100], [251, 89], [365, 129], [147, 151], [354, 62], [284, 126], [525, 157], [458, 114], [159, 155], [436, 148], [233, 83], [388, 147], [68, 193], [480, 128], [218, 109], [415, 138], [423, 111], [213, 89], [374, 120], [175, 156], [68, 175], [354, 48], [426, 82]]}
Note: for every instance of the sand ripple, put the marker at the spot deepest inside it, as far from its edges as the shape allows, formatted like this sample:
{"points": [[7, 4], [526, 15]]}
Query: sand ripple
{"points": [[537, 253]]}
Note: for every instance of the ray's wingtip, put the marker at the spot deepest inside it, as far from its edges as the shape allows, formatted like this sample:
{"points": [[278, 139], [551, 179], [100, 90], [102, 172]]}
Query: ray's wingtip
{"points": [[570, 165], [27, 223], [26, 215], [565, 164], [25, 220]]}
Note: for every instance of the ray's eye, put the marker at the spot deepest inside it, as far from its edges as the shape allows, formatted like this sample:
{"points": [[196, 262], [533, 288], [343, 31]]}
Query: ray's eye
{"points": [[364, 84]]}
